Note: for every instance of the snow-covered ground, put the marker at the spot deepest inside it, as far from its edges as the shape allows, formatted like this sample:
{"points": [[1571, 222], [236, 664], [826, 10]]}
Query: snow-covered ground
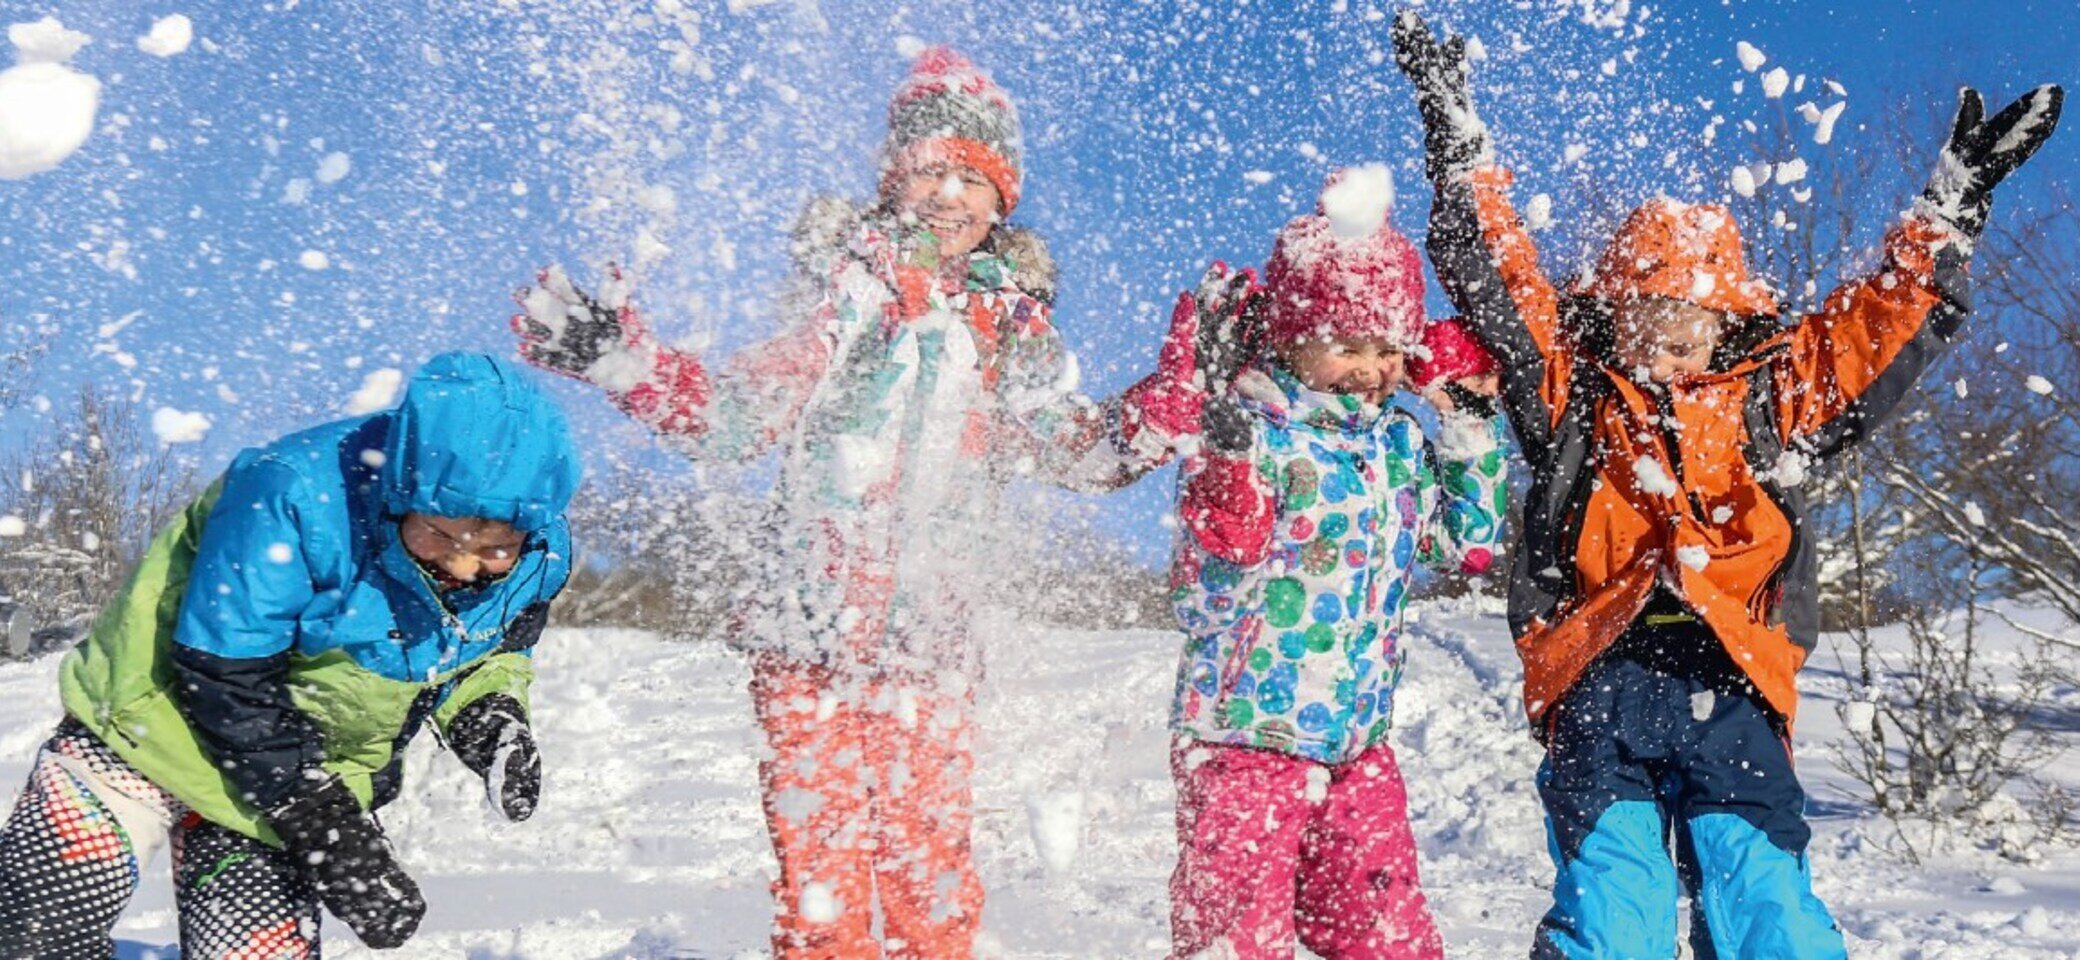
{"points": [[649, 843]]}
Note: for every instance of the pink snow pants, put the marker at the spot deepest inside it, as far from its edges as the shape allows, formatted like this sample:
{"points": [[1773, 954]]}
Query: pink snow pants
{"points": [[1268, 853]]}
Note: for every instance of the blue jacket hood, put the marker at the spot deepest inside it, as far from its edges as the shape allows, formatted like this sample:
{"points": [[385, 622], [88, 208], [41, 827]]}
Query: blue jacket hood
{"points": [[474, 437]]}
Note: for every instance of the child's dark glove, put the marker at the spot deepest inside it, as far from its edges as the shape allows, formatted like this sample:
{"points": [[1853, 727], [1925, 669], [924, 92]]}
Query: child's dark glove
{"points": [[1981, 153], [491, 737], [1478, 405], [1454, 137], [1230, 333], [343, 851], [565, 330]]}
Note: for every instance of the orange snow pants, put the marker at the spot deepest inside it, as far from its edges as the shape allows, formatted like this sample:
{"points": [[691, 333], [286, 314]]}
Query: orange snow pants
{"points": [[867, 794]]}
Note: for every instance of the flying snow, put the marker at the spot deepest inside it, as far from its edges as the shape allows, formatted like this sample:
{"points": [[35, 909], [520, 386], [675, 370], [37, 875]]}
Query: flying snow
{"points": [[46, 108], [378, 392], [334, 167], [1653, 477], [172, 426], [1775, 82], [1751, 58], [170, 35], [1357, 203]]}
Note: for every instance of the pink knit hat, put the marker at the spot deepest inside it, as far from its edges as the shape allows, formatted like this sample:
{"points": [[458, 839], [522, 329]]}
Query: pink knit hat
{"points": [[1344, 271]]}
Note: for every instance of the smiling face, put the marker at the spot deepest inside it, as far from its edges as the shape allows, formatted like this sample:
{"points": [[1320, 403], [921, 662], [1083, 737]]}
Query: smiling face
{"points": [[465, 549], [957, 204], [1368, 368], [1664, 340]]}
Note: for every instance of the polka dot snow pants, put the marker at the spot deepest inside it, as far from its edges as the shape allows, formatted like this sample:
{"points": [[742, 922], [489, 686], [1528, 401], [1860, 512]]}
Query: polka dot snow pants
{"points": [[79, 837]]}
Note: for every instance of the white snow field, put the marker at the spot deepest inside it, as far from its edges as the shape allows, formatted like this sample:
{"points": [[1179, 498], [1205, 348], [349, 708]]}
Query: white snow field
{"points": [[649, 843]]}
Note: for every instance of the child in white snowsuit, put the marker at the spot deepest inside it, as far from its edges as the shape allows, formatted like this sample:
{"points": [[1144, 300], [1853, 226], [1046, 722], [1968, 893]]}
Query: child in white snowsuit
{"points": [[1303, 518], [921, 371]]}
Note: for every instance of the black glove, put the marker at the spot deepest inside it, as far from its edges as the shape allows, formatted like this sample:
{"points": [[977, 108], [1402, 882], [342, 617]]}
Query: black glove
{"points": [[1230, 330], [564, 329], [1468, 402], [1980, 154], [343, 851], [1230, 335], [492, 738], [1453, 135]]}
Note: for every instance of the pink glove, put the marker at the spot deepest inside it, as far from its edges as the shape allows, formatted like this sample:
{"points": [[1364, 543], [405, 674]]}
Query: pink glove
{"points": [[603, 341], [1201, 354]]}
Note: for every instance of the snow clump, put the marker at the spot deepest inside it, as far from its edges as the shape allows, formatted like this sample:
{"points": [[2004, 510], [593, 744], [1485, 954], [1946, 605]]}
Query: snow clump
{"points": [[170, 35], [46, 108], [172, 426], [1751, 58], [378, 391], [1653, 477], [1357, 202]]}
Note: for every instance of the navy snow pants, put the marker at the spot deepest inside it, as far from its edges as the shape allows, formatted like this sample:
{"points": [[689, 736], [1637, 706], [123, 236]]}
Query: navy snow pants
{"points": [[1661, 743]]}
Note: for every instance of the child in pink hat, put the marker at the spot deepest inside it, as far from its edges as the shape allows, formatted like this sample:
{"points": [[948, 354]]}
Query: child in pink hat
{"points": [[1304, 514]]}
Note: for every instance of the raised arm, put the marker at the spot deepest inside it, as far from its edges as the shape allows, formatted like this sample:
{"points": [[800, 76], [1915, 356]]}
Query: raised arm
{"points": [[1090, 446], [1850, 364], [1483, 254]]}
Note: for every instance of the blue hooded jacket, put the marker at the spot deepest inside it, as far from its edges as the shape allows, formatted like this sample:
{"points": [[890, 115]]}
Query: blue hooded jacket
{"points": [[307, 637]]}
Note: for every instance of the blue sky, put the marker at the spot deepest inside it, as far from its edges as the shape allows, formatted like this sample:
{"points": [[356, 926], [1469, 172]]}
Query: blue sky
{"points": [[162, 261]]}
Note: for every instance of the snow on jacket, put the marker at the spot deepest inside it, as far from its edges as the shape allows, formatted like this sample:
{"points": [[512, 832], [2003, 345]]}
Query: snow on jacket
{"points": [[1292, 566], [278, 626], [1695, 487], [904, 398]]}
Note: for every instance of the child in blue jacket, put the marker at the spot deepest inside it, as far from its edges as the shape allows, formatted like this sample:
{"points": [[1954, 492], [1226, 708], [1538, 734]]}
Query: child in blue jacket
{"points": [[249, 693]]}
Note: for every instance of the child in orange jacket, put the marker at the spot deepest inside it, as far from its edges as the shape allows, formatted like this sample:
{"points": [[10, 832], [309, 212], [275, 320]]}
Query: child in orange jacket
{"points": [[1663, 594]]}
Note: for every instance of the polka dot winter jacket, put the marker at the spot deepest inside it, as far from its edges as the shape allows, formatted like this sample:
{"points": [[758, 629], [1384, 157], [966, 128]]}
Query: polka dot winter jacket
{"points": [[1292, 566]]}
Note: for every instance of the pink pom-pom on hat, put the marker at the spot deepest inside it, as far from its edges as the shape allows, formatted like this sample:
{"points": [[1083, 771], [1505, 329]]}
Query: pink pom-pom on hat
{"points": [[1344, 272]]}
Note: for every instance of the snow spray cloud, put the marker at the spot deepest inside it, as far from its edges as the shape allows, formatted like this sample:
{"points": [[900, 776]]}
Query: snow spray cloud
{"points": [[303, 194]]}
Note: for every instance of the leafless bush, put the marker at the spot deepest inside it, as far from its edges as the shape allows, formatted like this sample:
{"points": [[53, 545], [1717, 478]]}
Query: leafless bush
{"points": [[88, 494]]}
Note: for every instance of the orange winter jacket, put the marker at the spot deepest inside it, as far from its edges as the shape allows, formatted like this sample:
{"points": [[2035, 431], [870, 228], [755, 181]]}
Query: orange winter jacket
{"points": [[1696, 485]]}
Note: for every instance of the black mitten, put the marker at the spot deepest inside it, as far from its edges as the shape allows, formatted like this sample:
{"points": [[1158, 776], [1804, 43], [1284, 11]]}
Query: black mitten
{"points": [[1454, 137], [1981, 153], [348, 859], [492, 738], [564, 329]]}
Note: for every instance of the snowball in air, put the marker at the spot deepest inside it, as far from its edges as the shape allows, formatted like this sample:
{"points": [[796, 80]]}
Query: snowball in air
{"points": [[279, 553], [45, 41], [334, 167], [1538, 214], [1357, 203], [173, 426], [12, 526], [1774, 83], [1751, 58], [378, 391], [170, 35], [313, 260], [46, 108], [1694, 557]]}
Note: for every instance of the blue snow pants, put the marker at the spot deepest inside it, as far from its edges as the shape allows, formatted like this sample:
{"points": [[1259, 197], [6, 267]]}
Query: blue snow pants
{"points": [[1663, 742]]}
